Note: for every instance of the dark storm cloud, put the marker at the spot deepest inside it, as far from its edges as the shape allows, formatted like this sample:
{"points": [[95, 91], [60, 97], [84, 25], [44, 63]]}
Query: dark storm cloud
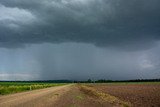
{"points": [[117, 23]]}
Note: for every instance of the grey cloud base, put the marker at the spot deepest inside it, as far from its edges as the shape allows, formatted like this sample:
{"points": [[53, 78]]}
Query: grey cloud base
{"points": [[101, 22], [79, 39]]}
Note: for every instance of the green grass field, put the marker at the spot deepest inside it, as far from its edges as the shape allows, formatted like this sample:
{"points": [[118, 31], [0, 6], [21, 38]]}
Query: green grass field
{"points": [[15, 87]]}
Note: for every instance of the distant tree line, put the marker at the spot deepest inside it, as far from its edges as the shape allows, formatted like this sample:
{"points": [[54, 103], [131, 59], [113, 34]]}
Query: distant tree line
{"points": [[113, 81], [87, 81]]}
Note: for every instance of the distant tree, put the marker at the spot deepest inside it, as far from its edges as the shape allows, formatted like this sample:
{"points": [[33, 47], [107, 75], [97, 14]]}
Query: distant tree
{"points": [[89, 81]]}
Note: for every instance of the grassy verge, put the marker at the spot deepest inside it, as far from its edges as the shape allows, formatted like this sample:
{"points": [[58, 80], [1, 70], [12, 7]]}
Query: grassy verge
{"points": [[9, 87], [104, 96]]}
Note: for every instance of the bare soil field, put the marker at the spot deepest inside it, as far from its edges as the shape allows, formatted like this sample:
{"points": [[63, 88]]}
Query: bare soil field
{"points": [[140, 95], [87, 95]]}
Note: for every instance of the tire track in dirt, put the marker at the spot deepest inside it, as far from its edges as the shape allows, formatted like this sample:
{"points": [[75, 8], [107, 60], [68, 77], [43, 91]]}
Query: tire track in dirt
{"points": [[77, 98]]}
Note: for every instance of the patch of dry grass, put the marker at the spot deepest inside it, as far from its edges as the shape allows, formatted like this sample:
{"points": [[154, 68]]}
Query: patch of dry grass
{"points": [[104, 96]]}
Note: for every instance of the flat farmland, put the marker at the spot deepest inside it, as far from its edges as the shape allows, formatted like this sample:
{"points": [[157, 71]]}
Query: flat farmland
{"points": [[138, 94], [81, 95]]}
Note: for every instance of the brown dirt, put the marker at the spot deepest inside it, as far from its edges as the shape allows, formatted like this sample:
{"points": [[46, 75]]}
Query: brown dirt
{"points": [[76, 98], [97, 95], [61, 96], [36, 98], [140, 95]]}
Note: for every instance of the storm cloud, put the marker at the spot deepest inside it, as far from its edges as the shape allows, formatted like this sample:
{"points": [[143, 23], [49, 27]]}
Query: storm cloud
{"points": [[99, 22], [79, 39]]}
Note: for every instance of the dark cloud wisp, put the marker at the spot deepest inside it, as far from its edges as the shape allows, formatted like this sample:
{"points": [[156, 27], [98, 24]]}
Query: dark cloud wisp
{"points": [[118, 23]]}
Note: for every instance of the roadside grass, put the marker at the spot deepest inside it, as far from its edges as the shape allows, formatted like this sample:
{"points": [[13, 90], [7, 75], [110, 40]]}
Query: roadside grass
{"points": [[80, 97], [104, 96], [13, 87], [73, 105]]}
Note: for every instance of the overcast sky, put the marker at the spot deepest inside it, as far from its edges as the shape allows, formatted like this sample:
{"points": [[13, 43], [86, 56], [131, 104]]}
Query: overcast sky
{"points": [[79, 39]]}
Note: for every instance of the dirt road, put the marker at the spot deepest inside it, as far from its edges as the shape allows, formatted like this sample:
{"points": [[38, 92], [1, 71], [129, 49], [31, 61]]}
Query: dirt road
{"points": [[60, 96], [36, 98]]}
